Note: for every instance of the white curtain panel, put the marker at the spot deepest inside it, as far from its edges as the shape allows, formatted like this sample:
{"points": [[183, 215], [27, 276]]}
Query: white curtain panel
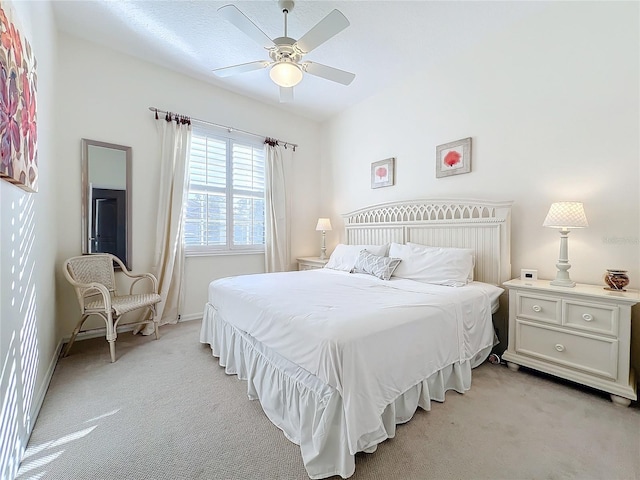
{"points": [[277, 254], [175, 138]]}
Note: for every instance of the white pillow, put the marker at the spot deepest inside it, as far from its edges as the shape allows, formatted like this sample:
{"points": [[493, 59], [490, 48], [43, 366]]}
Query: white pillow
{"points": [[455, 251], [381, 267], [344, 256], [438, 265]]}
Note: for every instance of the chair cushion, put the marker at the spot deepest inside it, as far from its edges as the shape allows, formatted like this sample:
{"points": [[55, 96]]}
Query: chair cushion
{"points": [[125, 303]]}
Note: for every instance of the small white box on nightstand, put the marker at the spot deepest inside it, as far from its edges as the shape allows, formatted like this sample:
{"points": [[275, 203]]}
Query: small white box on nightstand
{"points": [[528, 274]]}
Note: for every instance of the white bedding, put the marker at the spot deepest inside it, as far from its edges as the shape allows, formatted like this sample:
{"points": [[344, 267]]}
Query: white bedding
{"points": [[395, 335]]}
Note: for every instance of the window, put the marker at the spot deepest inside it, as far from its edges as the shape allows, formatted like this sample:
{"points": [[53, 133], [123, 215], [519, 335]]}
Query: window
{"points": [[225, 204]]}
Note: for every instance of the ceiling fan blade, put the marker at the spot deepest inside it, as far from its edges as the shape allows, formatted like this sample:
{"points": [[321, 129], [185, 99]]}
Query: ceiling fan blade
{"points": [[330, 73], [244, 24], [242, 68], [286, 94], [326, 28]]}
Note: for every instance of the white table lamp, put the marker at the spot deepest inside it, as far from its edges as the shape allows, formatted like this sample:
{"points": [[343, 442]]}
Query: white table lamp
{"points": [[565, 216], [324, 225]]}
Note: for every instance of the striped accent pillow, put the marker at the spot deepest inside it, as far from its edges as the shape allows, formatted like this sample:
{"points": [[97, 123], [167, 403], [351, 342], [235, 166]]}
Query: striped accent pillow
{"points": [[381, 267]]}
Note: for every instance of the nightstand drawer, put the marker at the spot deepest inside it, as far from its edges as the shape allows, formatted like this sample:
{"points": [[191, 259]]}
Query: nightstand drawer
{"points": [[589, 353], [591, 317], [308, 266], [539, 307], [311, 263]]}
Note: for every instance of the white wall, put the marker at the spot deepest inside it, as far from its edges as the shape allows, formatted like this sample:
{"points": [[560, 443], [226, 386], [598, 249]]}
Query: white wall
{"points": [[104, 95], [28, 343], [552, 106]]}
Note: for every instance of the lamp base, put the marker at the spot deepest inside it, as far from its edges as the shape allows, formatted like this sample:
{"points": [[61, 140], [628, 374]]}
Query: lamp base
{"points": [[563, 265], [562, 276], [323, 250], [563, 283]]}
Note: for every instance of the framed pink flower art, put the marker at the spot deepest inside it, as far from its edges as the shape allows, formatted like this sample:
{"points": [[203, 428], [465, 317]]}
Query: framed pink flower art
{"points": [[18, 132], [453, 158], [382, 173]]}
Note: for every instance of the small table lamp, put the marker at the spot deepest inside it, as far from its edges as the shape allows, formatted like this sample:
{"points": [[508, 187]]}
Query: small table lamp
{"points": [[565, 215], [324, 225]]}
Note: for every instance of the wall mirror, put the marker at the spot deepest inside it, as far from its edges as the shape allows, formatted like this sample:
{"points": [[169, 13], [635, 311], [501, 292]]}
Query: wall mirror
{"points": [[106, 199]]}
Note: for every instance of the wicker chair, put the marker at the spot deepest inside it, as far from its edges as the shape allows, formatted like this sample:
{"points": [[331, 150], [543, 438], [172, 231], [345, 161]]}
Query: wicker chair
{"points": [[94, 281]]}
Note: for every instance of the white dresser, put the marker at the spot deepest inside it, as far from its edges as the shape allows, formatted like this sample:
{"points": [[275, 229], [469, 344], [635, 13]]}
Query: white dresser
{"points": [[581, 334], [310, 263]]}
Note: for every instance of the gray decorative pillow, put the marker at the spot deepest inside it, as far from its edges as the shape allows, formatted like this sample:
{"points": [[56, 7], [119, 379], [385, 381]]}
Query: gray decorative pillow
{"points": [[381, 267]]}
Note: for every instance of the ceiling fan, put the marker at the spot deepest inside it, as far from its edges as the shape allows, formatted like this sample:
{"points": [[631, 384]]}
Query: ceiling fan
{"points": [[287, 67]]}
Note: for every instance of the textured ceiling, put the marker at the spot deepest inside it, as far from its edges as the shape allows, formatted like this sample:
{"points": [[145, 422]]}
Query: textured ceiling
{"points": [[386, 40]]}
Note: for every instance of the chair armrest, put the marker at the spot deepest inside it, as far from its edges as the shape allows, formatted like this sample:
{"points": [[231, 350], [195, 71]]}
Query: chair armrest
{"points": [[137, 276], [142, 276], [85, 289]]}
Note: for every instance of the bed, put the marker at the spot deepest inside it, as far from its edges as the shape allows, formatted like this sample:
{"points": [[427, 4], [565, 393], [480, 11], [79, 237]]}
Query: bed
{"points": [[338, 359]]}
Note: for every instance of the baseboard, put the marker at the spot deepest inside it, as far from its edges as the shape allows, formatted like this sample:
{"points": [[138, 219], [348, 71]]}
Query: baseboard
{"points": [[127, 327], [191, 316], [99, 332], [42, 391]]}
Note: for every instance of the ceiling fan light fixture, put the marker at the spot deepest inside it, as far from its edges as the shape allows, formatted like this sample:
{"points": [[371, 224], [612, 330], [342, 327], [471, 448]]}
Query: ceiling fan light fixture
{"points": [[286, 66], [286, 74]]}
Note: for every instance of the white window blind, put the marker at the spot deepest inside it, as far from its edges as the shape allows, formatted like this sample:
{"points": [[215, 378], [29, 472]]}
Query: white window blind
{"points": [[225, 205]]}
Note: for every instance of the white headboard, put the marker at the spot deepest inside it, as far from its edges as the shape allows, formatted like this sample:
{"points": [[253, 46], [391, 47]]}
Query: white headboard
{"points": [[482, 225]]}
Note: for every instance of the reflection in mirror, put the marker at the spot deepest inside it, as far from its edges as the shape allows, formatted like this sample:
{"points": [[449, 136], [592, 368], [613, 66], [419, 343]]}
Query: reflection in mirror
{"points": [[106, 199]]}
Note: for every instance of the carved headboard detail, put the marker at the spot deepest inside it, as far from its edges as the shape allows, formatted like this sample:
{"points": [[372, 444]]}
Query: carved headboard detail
{"points": [[482, 225]]}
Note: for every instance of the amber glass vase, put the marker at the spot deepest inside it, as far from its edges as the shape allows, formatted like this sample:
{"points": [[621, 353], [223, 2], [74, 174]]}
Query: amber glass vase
{"points": [[616, 280]]}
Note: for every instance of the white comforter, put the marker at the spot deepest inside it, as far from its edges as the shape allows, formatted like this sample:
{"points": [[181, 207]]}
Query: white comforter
{"points": [[369, 339]]}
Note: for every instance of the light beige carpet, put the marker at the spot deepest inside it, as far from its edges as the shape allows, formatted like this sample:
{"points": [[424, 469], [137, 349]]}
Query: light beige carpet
{"points": [[166, 410]]}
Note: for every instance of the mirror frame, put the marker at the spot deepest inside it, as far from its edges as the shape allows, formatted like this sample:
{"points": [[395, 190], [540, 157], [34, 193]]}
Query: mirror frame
{"points": [[86, 224]]}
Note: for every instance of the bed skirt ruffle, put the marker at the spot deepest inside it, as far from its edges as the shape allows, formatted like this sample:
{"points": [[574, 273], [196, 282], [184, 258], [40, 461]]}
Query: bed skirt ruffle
{"points": [[310, 412]]}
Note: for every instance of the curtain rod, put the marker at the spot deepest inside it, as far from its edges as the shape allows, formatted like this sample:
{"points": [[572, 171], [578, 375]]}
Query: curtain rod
{"points": [[229, 129]]}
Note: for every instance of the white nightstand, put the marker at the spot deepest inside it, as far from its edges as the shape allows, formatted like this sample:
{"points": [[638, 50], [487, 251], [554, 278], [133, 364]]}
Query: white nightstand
{"points": [[310, 263], [582, 334]]}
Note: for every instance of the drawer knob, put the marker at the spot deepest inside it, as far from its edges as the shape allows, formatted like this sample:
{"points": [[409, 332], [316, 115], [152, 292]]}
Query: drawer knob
{"points": [[537, 308], [587, 317], [559, 347]]}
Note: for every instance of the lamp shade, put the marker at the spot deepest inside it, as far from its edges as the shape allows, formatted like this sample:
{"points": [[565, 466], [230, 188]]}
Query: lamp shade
{"points": [[286, 74], [324, 224], [566, 215]]}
